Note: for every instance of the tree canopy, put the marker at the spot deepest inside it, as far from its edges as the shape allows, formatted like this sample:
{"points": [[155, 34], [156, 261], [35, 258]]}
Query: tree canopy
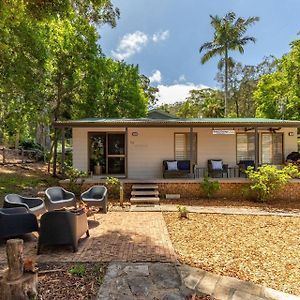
{"points": [[278, 94]]}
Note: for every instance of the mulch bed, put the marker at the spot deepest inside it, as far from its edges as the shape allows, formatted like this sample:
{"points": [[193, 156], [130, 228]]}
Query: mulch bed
{"points": [[70, 280], [261, 249]]}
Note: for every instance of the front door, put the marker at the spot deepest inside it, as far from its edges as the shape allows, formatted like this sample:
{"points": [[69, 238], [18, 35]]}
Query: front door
{"points": [[107, 153]]}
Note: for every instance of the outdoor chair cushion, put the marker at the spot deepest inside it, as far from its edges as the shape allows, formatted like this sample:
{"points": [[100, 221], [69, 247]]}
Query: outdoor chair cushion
{"points": [[35, 205], [16, 222], [217, 164], [172, 165], [183, 165], [216, 168], [96, 196], [58, 198]]}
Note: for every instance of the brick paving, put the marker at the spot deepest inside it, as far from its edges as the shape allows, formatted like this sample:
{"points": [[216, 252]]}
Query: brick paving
{"points": [[116, 236]]}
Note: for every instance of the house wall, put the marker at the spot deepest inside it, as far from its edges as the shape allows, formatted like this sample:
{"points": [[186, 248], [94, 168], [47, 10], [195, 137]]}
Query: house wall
{"points": [[80, 145], [148, 147]]}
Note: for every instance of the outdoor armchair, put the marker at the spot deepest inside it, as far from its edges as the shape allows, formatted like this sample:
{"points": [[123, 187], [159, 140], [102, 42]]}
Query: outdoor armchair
{"points": [[62, 227], [35, 205], [58, 198], [16, 222], [216, 168], [96, 196]]}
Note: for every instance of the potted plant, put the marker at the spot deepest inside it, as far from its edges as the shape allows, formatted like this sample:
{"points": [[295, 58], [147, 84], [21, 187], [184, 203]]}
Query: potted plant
{"points": [[97, 156]]}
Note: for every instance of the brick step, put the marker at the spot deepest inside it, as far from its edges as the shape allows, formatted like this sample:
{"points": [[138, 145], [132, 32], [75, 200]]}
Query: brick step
{"points": [[140, 200], [144, 186], [145, 193]]}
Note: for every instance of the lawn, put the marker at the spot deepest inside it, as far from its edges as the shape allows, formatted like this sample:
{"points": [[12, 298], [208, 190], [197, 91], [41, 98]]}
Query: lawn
{"points": [[264, 250], [25, 180]]}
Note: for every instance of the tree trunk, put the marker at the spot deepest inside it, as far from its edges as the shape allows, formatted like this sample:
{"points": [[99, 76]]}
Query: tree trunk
{"points": [[15, 283], [55, 152], [226, 84]]}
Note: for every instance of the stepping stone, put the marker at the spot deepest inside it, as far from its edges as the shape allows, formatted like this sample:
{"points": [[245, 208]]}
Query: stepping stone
{"points": [[165, 276], [139, 286], [136, 270]]}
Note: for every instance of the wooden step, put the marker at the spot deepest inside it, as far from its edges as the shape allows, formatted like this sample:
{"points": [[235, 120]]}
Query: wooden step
{"points": [[144, 186], [145, 193], [139, 200]]}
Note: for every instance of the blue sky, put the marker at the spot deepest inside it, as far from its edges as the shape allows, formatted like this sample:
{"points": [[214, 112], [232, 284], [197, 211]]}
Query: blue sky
{"points": [[163, 37]]}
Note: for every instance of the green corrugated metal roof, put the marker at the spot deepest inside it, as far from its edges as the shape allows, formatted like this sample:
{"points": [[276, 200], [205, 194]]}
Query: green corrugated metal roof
{"points": [[200, 122]]}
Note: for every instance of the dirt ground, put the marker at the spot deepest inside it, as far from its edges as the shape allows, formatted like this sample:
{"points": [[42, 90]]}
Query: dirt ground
{"points": [[27, 179], [70, 281], [264, 250]]}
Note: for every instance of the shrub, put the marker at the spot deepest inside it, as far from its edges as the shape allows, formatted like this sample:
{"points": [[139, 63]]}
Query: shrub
{"points": [[113, 185], [210, 187], [183, 211], [76, 179], [267, 179]]}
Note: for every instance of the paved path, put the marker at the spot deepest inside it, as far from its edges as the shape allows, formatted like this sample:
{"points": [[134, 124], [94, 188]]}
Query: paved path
{"points": [[228, 288], [217, 210], [114, 236]]}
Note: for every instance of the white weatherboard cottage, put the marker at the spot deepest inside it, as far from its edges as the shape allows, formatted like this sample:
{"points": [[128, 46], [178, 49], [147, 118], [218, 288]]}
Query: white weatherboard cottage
{"points": [[136, 148]]}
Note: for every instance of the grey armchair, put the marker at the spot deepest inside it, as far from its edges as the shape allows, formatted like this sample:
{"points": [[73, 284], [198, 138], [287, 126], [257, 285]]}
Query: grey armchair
{"points": [[96, 196], [58, 198], [35, 205], [16, 222], [216, 168], [74, 225]]}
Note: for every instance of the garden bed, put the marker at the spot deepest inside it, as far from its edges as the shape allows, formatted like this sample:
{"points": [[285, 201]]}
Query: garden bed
{"points": [[261, 249], [70, 281]]}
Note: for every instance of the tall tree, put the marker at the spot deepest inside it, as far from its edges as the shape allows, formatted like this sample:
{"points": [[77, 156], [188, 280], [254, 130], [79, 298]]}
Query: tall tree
{"points": [[242, 82], [278, 94], [229, 35]]}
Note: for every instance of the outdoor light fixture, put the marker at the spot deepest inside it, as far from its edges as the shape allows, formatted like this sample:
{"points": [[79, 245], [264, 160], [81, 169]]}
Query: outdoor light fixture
{"points": [[291, 133], [135, 133]]}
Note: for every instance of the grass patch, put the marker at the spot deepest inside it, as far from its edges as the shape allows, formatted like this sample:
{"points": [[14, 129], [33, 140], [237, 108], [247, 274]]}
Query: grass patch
{"points": [[261, 249], [26, 181]]}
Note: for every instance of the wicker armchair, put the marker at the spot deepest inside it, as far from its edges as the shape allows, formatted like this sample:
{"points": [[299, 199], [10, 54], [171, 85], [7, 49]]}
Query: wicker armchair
{"points": [[217, 171]]}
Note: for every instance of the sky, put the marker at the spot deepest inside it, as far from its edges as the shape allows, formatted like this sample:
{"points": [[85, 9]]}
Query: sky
{"points": [[163, 37]]}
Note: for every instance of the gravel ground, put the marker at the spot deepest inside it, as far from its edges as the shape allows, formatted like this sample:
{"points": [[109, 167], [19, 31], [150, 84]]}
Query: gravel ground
{"points": [[264, 250]]}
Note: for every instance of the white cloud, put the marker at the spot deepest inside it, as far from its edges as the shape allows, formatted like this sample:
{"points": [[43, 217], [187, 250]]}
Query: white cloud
{"points": [[169, 94], [130, 44], [160, 36], [155, 77]]}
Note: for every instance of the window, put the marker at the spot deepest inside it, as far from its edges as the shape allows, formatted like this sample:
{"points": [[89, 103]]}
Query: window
{"points": [[245, 146], [182, 146], [272, 148]]}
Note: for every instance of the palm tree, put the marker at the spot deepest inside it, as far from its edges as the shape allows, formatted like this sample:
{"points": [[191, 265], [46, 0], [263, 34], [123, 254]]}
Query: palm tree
{"points": [[229, 35]]}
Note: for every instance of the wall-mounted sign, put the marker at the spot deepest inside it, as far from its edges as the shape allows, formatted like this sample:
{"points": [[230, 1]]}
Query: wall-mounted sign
{"points": [[223, 131]]}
